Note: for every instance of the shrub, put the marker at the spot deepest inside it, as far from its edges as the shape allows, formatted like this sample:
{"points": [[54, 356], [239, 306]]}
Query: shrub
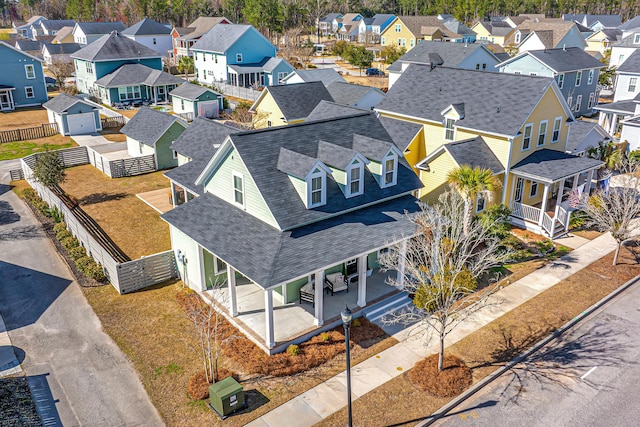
{"points": [[77, 253], [356, 323], [56, 215], [94, 271], [293, 350], [498, 217], [42, 207], [29, 194], [83, 262], [454, 378], [59, 227], [69, 243], [578, 219], [324, 337], [61, 235]]}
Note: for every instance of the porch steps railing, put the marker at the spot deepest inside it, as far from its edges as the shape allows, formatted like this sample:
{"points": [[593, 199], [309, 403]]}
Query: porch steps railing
{"points": [[553, 226], [523, 211], [395, 303]]}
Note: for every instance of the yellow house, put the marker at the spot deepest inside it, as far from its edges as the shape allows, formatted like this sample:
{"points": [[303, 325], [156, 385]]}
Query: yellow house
{"points": [[406, 31], [496, 32], [65, 35], [432, 33], [515, 125], [601, 41], [287, 104]]}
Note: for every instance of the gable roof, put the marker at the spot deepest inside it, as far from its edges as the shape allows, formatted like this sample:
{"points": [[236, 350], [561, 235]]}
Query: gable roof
{"points": [[62, 102], [349, 94], [631, 24], [549, 31], [148, 125], [296, 101], [402, 132], [221, 37], [15, 49], [494, 102], [56, 24], [94, 28], [551, 165], [448, 54], [62, 48], [146, 27], [631, 64], [190, 91], [331, 110], [200, 26], [28, 45], [330, 17], [579, 131], [381, 18], [62, 33], [611, 34], [324, 75], [112, 46], [474, 152], [415, 24], [561, 60], [628, 41], [131, 74]]}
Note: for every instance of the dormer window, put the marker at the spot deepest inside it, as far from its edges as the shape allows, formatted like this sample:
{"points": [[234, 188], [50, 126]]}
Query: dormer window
{"points": [[355, 179], [316, 188], [389, 170], [636, 39]]}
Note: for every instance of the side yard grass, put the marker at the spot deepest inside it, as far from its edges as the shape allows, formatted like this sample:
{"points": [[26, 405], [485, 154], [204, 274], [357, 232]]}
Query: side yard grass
{"points": [[496, 343], [134, 226]]}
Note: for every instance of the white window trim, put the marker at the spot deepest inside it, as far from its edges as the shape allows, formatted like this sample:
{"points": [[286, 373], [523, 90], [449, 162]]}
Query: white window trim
{"points": [[484, 203], [560, 80], [453, 130], [591, 100], [394, 179], [570, 101], [216, 270], [578, 78], [578, 102], [323, 189], [33, 70], [238, 57], [174, 154], [26, 94], [546, 130], [398, 28], [635, 84], [534, 184], [590, 79], [524, 132], [355, 165], [235, 174], [556, 120]]}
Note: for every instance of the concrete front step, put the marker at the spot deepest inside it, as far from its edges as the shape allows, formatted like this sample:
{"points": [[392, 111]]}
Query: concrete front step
{"points": [[396, 302]]}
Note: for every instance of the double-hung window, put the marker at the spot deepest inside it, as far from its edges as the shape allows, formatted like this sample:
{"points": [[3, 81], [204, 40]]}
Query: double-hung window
{"points": [[30, 71], [555, 136], [526, 136], [449, 131], [591, 100], [316, 189], [633, 81], [238, 57], [480, 203], [578, 78], [389, 170], [542, 132], [398, 28], [560, 80], [355, 175], [28, 91], [578, 102], [590, 79], [533, 190], [238, 189]]}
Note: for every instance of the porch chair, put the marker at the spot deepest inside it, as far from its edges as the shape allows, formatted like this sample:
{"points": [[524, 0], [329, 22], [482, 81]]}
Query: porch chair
{"points": [[336, 282], [307, 294]]}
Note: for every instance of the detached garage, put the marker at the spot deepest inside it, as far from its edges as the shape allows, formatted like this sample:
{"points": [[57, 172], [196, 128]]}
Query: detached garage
{"points": [[73, 115]]}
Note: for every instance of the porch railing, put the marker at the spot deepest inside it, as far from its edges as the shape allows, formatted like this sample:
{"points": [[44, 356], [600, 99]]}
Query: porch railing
{"points": [[523, 211], [548, 223], [562, 215]]}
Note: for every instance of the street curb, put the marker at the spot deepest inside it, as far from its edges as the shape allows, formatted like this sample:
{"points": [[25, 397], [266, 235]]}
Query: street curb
{"points": [[557, 333]]}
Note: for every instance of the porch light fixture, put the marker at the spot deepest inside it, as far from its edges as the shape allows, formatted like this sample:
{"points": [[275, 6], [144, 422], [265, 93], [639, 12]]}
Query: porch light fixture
{"points": [[346, 322]]}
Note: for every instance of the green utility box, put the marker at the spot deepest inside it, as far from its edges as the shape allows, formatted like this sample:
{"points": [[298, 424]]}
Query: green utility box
{"points": [[226, 397]]}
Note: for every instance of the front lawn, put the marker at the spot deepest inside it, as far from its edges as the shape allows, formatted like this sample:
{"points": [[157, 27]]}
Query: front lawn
{"points": [[23, 118], [133, 225], [20, 149]]}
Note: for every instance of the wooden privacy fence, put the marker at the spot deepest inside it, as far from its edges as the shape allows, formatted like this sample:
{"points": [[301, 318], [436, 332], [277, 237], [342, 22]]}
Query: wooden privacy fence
{"points": [[112, 122], [42, 131], [125, 275]]}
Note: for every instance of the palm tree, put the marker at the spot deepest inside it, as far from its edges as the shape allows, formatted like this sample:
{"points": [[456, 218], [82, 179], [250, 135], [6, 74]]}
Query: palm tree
{"points": [[471, 182], [608, 153]]}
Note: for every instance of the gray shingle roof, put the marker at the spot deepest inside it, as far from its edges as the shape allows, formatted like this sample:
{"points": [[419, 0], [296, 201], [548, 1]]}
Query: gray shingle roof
{"points": [[324, 75], [146, 27], [494, 102], [563, 60], [295, 164], [381, 18], [631, 64], [62, 48], [401, 131], [259, 150], [202, 138], [190, 91], [451, 54], [221, 37], [475, 153], [330, 110], [270, 257], [625, 107], [56, 24], [551, 165], [28, 45], [93, 28], [335, 155], [62, 102], [330, 17], [347, 93], [296, 101], [129, 74], [370, 146], [579, 131], [631, 24], [114, 47], [148, 125], [200, 26], [627, 41]]}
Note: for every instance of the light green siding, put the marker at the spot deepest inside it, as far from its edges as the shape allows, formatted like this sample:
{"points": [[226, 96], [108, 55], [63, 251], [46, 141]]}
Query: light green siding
{"points": [[340, 176], [183, 159], [164, 154], [189, 272], [301, 188], [221, 185]]}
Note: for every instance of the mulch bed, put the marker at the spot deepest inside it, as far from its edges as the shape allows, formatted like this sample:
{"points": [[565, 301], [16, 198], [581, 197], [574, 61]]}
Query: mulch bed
{"points": [[16, 403]]}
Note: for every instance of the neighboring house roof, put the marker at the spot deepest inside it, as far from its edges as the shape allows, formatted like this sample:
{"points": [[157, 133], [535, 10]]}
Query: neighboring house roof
{"points": [[474, 152], [350, 17], [627, 41], [631, 24], [61, 103], [94, 28], [458, 27], [415, 24], [330, 17], [221, 37], [57, 24], [631, 65], [626, 107], [148, 125], [114, 47], [381, 18], [296, 101], [324, 75], [607, 21], [62, 34], [132, 74], [551, 165], [147, 27], [61, 48], [549, 31], [30, 21], [201, 26], [349, 94], [579, 131], [402, 132], [28, 45], [331, 110], [502, 56], [493, 102], [9, 46], [561, 60], [427, 52], [190, 91]]}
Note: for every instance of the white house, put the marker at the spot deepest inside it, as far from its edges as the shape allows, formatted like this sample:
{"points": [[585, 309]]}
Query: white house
{"points": [[622, 49], [152, 34], [85, 33]]}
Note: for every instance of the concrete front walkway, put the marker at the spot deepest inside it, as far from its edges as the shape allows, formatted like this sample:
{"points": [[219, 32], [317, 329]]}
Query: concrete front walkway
{"points": [[330, 396]]}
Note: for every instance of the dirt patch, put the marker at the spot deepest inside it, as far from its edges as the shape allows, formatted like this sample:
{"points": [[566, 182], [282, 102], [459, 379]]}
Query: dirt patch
{"points": [[496, 343], [587, 234], [113, 134], [128, 113], [23, 118], [134, 226]]}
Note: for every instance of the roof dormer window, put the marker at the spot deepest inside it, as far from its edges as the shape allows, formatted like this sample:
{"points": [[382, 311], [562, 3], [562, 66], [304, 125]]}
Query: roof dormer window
{"points": [[389, 169], [355, 179], [316, 188], [636, 39]]}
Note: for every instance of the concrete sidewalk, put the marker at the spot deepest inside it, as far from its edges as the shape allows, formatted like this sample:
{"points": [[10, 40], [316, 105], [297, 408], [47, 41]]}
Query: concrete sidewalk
{"points": [[330, 396]]}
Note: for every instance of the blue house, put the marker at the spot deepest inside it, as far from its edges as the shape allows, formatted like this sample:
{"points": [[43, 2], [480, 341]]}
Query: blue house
{"points": [[238, 55], [22, 81], [23, 29], [575, 71]]}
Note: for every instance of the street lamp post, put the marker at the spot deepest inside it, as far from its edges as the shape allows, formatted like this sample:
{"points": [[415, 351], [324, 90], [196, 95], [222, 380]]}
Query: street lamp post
{"points": [[346, 322]]}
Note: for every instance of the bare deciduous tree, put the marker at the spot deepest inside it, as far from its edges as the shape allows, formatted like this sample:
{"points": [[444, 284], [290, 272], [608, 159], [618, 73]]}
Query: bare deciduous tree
{"points": [[441, 268], [61, 70]]}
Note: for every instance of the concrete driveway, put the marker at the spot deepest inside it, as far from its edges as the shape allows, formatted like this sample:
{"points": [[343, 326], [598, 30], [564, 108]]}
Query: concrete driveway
{"points": [[76, 372], [90, 140]]}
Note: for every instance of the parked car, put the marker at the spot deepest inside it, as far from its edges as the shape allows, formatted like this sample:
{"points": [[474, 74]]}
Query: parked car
{"points": [[374, 72]]}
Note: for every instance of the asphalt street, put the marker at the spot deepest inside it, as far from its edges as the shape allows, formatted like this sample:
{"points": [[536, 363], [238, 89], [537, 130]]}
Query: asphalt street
{"points": [[77, 373], [588, 377]]}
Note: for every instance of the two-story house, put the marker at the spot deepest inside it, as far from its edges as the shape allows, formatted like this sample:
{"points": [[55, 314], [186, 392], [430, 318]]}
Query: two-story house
{"points": [[24, 29], [183, 38], [623, 48], [575, 71], [60, 52], [85, 33], [541, 34], [494, 32], [282, 215], [455, 55], [328, 24], [374, 26], [514, 125], [22, 82], [238, 55], [350, 25], [64, 35], [151, 34], [602, 40], [408, 31], [50, 27]]}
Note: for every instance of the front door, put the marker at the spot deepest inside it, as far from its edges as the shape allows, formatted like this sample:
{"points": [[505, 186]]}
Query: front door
{"points": [[161, 93], [517, 197]]}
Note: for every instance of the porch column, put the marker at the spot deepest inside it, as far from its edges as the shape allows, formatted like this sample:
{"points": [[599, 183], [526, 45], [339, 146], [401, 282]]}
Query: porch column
{"points": [[362, 280], [233, 300], [587, 188], [601, 118], [543, 207], [200, 261], [268, 317], [614, 119], [402, 255], [173, 193], [560, 192], [318, 300]]}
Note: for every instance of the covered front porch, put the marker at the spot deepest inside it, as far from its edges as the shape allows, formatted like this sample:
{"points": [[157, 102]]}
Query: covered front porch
{"points": [[611, 115], [6, 98], [546, 187], [246, 75]]}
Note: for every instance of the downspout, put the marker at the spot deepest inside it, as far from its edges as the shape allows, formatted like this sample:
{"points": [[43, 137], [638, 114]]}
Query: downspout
{"points": [[506, 173]]}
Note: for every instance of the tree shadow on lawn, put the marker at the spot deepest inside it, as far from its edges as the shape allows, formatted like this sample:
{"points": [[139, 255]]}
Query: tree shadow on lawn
{"points": [[94, 198]]}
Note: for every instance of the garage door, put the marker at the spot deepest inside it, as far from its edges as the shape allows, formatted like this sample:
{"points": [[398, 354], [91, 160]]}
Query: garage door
{"points": [[81, 123]]}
